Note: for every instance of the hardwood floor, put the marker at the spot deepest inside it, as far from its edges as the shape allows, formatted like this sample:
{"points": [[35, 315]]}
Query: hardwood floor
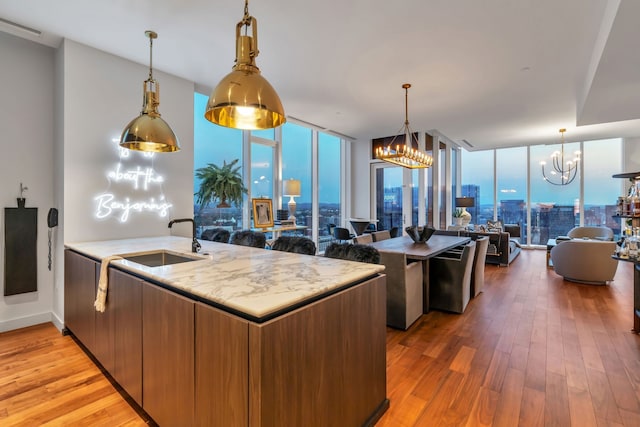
{"points": [[531, 350]]}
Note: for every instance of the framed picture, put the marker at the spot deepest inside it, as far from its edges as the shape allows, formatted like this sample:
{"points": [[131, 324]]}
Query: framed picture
{"points": [[262, 213]]}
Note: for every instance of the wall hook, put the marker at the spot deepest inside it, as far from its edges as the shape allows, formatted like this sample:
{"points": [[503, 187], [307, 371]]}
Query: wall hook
{"points": [[21, 199]]}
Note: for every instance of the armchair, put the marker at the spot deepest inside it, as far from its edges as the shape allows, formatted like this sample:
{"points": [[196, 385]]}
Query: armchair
{"points": [[598, 233], [585, 261]]}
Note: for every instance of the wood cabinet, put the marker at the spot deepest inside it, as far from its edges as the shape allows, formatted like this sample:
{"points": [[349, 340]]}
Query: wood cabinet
{"points": [[323, 364], [126, 308], [113, 337], [221, 376], [80, 278], [167, 356]]}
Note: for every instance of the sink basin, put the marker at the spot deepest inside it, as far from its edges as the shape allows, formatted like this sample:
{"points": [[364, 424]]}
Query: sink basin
{"points": [[159, 258]]}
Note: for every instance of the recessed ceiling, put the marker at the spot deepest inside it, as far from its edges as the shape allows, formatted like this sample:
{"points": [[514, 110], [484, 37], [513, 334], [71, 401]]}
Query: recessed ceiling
{"points": [[493, 73]]}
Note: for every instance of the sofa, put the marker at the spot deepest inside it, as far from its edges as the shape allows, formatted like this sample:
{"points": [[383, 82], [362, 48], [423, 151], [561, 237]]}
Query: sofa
{"points": [[503, 246], [585, 260]]}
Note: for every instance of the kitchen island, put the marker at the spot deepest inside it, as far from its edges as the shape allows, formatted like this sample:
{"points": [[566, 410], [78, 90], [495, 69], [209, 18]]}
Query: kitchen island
{"points": [[238, 336]]}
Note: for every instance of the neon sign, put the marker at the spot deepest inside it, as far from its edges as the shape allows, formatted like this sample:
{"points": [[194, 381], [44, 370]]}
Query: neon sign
{"points": [[137, 179]]}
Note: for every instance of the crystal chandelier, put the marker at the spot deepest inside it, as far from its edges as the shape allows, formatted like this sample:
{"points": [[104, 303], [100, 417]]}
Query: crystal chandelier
{"points": [[405, 155], [563, 171]]}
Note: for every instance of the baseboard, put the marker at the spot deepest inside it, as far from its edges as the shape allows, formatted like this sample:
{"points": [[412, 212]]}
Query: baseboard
{"points": [[23, 322]]}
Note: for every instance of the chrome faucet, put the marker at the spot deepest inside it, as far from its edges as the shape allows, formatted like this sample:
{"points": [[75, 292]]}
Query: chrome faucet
{"points": [[195, 245]]}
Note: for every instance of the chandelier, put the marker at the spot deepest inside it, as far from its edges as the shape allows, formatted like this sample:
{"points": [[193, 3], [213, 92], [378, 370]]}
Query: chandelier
{"points": [[563, 171], [405, 155]]}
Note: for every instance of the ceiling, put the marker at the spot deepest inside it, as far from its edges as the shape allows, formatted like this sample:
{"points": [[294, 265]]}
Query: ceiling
{"points": [[485, 74]]}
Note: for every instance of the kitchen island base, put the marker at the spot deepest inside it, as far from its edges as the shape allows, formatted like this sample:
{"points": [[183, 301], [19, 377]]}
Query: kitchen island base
{"points": [[323, 363]]}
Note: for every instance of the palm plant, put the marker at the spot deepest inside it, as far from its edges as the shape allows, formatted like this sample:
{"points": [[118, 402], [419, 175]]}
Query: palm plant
{"points": [[220, 183]]}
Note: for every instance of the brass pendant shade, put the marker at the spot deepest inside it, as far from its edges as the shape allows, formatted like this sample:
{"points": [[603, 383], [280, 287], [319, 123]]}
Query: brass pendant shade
{"points": [[148, 131], [244, 99]]}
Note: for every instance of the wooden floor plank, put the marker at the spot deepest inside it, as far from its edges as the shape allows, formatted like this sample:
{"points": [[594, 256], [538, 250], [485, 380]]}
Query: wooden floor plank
{"points": [[532, 349]]}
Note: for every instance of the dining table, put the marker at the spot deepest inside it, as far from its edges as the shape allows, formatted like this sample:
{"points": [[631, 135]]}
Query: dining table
{"points": [[422, 252]]}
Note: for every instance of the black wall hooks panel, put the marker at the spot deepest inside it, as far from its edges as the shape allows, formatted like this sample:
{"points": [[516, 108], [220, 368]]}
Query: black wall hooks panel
{"points": [[20, 255]]}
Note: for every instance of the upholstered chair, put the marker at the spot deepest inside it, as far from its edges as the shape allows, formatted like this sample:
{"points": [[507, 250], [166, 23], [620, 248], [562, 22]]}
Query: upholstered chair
{"points": [[254, 239], [363, 239], [450, 279], [477, 272], [585, 261], [404, 289], [216, 235], [351, 252], [294, 244], [381, 235], [598, 233]]}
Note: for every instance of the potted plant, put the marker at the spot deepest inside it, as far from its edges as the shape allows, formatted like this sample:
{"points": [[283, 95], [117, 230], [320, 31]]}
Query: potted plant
{"points": [[457, 216], [223, 184]]}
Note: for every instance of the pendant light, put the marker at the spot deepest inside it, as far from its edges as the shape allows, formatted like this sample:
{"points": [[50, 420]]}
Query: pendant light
{"points": [[244, 99], [148, 131], [405, 155]]}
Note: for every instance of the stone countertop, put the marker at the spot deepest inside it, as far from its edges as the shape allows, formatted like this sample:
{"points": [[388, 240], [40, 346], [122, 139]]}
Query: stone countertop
{"points": [[255, 282]]}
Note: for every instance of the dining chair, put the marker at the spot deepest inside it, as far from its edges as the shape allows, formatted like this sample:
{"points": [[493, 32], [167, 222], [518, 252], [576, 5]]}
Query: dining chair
{"points": [[450, 279], [404, 289], [353, 252], [330, 228], [294, 244], [363, 239], [254, 239], [216, 235], [381, 235], [342, 234], [477, 272]]}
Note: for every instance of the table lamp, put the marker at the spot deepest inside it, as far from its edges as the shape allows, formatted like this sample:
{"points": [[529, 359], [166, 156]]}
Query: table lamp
{"points": [[291, 188], [464, 203]]}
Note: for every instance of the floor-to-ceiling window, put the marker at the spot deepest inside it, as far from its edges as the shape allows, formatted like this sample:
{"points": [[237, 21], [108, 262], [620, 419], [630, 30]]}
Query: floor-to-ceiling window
{"points": [[264, 170], [511, 194], [551, 209], [297, 160], [602, 159], [478, 182], [214, 145], [329, 186], [555, 209]]}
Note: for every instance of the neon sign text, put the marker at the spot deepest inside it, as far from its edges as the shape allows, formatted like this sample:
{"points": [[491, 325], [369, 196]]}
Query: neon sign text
{"points": [[109, 205]]}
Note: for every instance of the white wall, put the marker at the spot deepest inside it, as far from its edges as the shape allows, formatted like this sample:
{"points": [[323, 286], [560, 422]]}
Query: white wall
{"points": [[102, 93], [78, 99], [631, 147], [26, 138], [360, 179]]}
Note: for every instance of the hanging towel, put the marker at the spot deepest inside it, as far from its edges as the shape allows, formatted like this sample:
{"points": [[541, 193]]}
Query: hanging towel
{"points": [[103, 283]]}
